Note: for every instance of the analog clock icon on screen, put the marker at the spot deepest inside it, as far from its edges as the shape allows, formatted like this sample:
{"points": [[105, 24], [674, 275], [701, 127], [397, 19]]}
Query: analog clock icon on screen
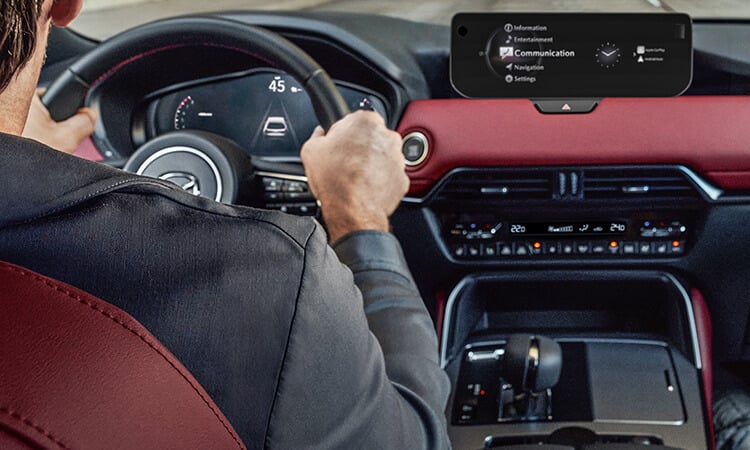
{"points": [[608, 55]]}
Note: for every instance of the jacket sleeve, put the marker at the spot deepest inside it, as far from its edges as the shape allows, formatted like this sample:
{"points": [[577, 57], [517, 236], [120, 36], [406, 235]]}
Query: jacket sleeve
{"points": [[361, 366]]}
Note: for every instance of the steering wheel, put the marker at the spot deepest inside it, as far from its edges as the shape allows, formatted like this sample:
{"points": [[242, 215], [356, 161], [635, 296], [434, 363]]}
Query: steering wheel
{"points": [[200, 162]]}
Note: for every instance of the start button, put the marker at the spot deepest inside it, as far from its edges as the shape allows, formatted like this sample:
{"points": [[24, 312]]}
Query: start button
{"points": [[415, 148]]}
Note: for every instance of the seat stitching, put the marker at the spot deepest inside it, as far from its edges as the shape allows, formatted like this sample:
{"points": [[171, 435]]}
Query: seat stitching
{"points": [[33, 425], [143, 338]]}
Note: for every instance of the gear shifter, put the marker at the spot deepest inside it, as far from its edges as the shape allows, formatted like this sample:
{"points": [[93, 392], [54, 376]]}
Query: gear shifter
{"points": [[531, 368]]}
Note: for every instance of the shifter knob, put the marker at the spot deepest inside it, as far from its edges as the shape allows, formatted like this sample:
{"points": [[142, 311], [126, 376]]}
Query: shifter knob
{"points": [[532, 363]]}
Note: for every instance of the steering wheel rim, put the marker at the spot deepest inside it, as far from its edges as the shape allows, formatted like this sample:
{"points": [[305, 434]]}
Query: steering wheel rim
{"points": [[68, 92]]}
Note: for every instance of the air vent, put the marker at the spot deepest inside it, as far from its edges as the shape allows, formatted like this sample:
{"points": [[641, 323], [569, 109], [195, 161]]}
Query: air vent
{"points": [[651, 184], [498, 184]]}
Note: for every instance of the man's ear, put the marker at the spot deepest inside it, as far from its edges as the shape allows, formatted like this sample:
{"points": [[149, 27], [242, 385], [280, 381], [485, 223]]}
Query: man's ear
{"points": [[64, 11]]}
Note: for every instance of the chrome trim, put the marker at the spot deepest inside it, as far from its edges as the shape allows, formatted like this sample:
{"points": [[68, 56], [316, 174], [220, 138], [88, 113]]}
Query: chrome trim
{"points": [[421, 137], [691, 320], [485, 355], [642, 422], [712, 192], [192, 151], [448, 317], [413, 200], [283, 176], [450, 306]]}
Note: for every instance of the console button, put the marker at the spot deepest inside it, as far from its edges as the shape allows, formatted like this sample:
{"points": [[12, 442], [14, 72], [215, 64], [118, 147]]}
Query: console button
{"points": [[521, 249], [297, 196], [629, 248], [645, 248], [677, 247], [583, 248], [551, 248], [307, 208], [598, 248], [458, 250], [415, 148], [474, 250], [467, 412], [576, 106], [567, 248], [294, 186], [272, 184], [505, 249], [489, 250], [661, 248]]}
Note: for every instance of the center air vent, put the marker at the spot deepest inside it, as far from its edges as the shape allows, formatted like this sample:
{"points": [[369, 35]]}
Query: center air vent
{"points": [[498, 184], [643, 183]]}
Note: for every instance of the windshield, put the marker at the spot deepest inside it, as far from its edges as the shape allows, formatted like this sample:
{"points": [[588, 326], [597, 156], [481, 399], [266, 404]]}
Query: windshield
{"points": [[103, 18]]}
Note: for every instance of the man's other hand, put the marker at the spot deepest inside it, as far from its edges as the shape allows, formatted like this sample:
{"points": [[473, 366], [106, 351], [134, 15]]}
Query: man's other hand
{"points": [[64, 136], [356, 171]]}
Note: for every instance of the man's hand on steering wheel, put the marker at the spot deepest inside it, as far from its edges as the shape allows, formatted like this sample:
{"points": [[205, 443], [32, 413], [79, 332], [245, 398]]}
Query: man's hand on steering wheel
{"points": [[356, 171], [65, 135]]}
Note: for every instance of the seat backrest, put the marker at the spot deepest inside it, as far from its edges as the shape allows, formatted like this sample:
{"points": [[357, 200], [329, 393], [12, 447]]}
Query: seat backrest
{"points": [[79, 373]]}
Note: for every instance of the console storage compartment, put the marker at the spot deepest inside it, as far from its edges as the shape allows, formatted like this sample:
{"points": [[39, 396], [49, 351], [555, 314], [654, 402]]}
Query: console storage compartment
{"points": [[631, 364]]}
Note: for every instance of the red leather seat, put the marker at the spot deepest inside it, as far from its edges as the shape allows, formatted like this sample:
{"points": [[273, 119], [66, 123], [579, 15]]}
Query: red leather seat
{"points": [[78, 373]]}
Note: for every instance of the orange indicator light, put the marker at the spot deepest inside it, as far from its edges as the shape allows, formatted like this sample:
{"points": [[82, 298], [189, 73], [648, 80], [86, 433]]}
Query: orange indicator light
{"points": [[675, 243], [613, 244], [537, 245]]}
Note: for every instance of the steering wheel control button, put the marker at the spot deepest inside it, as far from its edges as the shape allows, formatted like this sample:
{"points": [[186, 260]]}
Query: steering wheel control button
{"points": [[566, 106], [415, 148]]}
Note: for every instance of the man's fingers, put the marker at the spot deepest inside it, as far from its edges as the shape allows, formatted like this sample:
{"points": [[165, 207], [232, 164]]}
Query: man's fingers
{"points": [[81, 125], [318, 132]]}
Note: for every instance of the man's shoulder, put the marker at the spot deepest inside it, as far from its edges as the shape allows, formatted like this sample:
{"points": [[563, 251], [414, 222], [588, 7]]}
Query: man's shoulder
{"points": [[38, 182]]}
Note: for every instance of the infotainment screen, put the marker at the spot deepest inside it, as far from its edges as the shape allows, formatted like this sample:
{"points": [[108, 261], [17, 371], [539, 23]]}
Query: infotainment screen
{"points": [[562, 55]]}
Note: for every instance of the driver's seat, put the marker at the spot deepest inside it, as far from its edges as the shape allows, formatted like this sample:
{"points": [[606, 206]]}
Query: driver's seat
{"points": [[79, 373]]}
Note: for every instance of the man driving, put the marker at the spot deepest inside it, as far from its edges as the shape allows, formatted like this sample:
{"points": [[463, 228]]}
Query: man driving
{"points": [[301, 344]]}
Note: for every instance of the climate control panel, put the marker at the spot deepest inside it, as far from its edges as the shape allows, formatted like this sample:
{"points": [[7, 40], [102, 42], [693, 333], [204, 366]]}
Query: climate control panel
{"points": [[472, 238]]}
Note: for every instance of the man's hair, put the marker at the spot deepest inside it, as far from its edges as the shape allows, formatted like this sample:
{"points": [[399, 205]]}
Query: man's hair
{"points": [[18, 19]]}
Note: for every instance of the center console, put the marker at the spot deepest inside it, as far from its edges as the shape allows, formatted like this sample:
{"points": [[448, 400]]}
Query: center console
{"points": [[573, 360]]}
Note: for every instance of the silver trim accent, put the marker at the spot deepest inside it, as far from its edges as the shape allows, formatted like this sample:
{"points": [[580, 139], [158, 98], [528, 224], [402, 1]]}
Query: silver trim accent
{"points": [[421, 137], [486, 355], [283, 176], [192, 151], [712, 192], [691, 320], [635, 189], [450, 306]]}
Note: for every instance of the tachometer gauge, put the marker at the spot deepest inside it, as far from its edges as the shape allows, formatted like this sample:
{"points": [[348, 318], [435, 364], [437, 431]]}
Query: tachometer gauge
{"points": [[193, 115], [181, 113]]}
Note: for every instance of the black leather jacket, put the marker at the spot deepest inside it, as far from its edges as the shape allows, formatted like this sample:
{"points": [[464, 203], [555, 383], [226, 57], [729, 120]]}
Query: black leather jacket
{"points": [[297, 349]]}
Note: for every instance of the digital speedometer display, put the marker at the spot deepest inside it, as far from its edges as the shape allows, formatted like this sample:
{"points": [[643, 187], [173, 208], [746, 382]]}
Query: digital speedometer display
{"points": [[267, 113]]}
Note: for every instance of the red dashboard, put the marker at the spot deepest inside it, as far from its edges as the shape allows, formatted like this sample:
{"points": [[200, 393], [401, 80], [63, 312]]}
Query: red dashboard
{"points": [[708, 134]]}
